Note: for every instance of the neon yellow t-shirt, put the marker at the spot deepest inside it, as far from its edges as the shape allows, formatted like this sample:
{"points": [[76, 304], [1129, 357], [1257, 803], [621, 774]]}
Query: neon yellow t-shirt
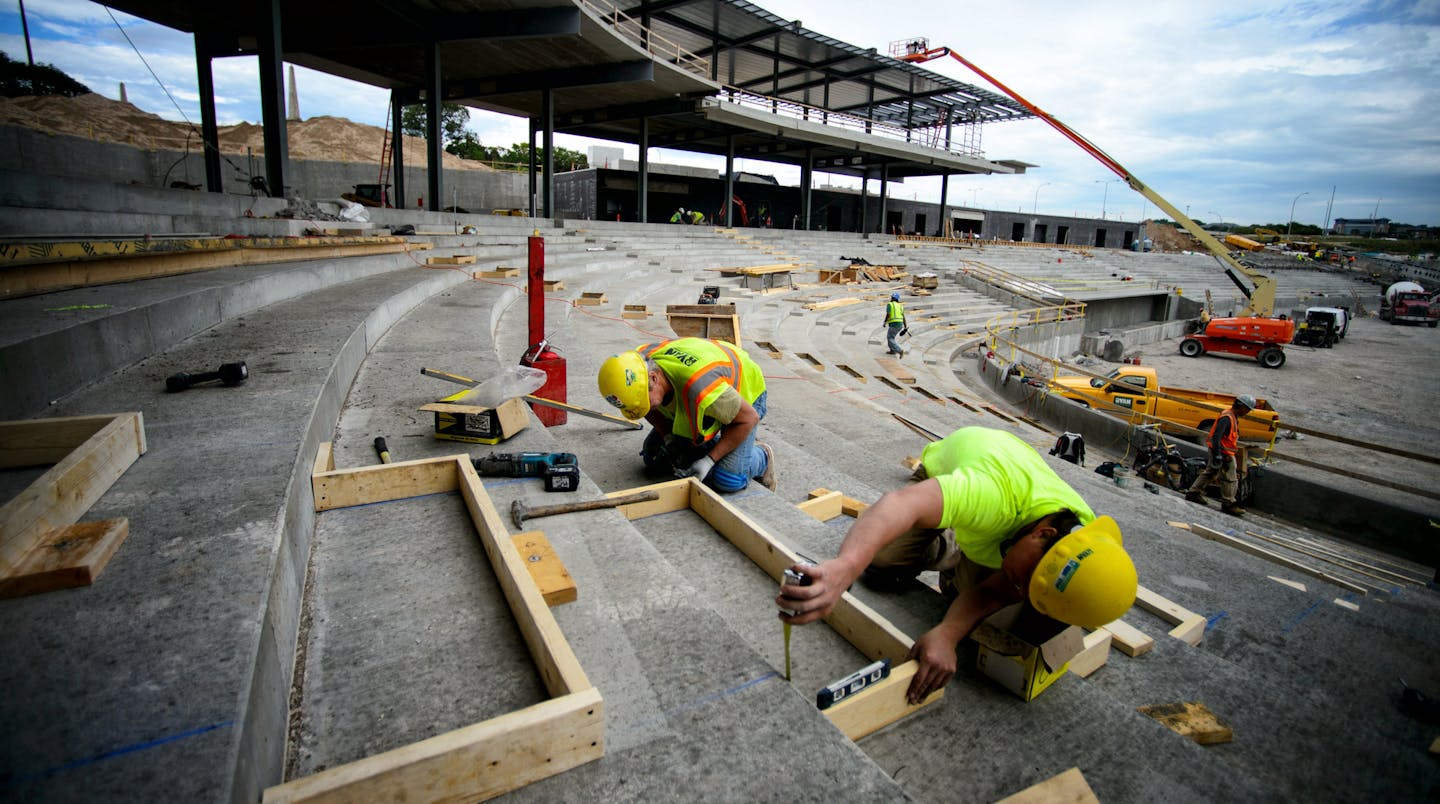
{"points": [[992, 483]]}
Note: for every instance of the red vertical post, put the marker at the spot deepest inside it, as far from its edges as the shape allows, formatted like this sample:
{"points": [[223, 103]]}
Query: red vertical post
{"points": [[536, 288]]}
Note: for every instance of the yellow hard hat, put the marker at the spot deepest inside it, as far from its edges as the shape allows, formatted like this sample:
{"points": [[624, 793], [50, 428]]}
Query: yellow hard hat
{"points": [[625, 383], [1085, 578]]}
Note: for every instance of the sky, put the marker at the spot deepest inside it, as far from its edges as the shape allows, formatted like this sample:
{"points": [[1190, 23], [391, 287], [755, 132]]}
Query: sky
{"points": [[1235, 111]]}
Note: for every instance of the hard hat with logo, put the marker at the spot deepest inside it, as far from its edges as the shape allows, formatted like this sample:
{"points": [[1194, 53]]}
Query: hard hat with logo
{"points": [[1085, 578], [625, 383], [1246, 400]]}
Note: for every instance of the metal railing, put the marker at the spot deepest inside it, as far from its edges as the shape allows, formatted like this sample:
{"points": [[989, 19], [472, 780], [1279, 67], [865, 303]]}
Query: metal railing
{"points": [[669, 51]]}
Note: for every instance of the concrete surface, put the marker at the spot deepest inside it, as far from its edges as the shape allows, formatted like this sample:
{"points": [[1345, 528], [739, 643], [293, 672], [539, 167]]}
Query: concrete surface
{"points": [[175, 676]]}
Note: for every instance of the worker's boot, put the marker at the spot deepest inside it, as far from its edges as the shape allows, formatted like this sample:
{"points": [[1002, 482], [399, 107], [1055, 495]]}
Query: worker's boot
{"points": [[1196, 497], [767, 478], [1232, 509]]}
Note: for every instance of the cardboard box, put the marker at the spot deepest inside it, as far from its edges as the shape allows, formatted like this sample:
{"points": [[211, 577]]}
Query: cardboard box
{"points": [[1025, 651], [476, 425]]}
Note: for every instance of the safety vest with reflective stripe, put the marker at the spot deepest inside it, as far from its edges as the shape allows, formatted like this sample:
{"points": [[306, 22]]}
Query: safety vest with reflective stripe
{"points": [[1232, 438], [699, 369], [894, 313]]}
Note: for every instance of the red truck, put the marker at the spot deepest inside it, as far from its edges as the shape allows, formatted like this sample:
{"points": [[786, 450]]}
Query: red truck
{"points": [[1408, 302]]}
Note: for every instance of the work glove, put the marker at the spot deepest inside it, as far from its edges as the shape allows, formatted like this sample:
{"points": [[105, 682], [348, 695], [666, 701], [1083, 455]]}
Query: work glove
{"points": [[699, 469], [1216, 461]]}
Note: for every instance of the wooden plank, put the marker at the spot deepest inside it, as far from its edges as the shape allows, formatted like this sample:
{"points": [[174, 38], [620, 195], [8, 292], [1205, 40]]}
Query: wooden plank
{"points": [[880, 704], [674, 496], [1130, 640], [60, 496], [472, 763], [1095, 654], [824, 507], [1274, 558], [1289, 583], [831, 304], [552, 285], [41, 442], [1191, 719], [1069, 787], [498, 273], [66, 558], [27, 280], [1349, 565], [546, 568], [552, 654], [453, 259], [324, 459], [384, 482], [1190, 631], [862, 626], [849, 506], [1189, 626]]}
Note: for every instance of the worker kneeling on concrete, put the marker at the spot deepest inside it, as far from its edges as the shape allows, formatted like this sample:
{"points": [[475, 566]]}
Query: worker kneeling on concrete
{"points": [[704, 399], [1223, 440], [1000, 526]]}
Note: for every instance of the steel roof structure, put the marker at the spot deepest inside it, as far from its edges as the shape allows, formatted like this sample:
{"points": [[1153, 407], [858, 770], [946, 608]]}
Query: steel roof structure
{"points": [[724, 77]]}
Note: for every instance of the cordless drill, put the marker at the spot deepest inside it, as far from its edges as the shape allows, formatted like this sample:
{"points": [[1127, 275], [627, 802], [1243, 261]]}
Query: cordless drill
{"points": [[559, 470]]}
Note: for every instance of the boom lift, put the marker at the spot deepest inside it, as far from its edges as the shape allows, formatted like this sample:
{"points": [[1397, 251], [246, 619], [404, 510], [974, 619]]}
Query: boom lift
{"points": [[1254, 333]]}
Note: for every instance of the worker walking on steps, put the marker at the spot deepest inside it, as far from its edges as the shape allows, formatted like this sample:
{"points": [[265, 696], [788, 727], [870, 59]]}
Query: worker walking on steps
{"points": [[895, 325], [1224, 437], [1000, 526], [703, 399]]}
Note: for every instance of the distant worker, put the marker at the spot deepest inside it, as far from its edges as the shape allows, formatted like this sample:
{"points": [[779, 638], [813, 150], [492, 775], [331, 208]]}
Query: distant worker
{"points": [[1000, 527], [703, 399], [895, 325], [679, 216], [1224, 437], [696, 217]]}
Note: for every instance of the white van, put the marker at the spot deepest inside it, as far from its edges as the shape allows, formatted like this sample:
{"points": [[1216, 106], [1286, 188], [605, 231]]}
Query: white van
{"points": [[1342, 318]]}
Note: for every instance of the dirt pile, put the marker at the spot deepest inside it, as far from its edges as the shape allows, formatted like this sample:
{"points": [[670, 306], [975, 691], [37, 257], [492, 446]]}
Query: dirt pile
{"points": [[1166, 237], [332, 139]]}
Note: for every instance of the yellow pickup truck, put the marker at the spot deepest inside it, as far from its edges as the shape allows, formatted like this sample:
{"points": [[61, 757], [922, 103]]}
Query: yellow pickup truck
{"points": [[1132, 388]]}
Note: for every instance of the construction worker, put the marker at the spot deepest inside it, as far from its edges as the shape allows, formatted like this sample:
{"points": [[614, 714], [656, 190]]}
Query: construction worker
{"points": [[679, 216], [703, 399], [895, 325], [1000, 526], [1224, 437], [696, 217]]}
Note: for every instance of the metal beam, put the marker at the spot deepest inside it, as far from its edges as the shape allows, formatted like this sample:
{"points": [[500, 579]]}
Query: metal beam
{"points": [[623, 72], [272, 83], [397, 152], [434, 140], [209, 128], [360, 31]]}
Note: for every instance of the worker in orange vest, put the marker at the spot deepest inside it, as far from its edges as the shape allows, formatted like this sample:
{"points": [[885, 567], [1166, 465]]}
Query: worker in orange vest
{"points": [[1224, 436]]}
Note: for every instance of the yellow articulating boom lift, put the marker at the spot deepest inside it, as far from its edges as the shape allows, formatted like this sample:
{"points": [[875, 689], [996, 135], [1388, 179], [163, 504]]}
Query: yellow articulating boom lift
{"points": [[1254, 333]]}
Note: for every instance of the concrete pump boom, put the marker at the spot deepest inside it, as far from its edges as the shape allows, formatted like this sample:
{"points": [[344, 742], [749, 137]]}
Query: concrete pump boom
{"points": [[1261, 298]]}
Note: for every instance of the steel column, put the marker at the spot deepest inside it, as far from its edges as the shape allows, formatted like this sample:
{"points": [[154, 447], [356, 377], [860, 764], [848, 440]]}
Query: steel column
{"points": [[272, 82]]}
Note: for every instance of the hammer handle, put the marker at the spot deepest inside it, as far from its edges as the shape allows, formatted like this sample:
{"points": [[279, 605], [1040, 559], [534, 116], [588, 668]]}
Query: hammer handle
{"points": [[590, 505]]}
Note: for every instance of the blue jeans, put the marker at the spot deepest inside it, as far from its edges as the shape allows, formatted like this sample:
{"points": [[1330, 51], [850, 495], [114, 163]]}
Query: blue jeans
{"points": [[891, 334], [732, 473]]}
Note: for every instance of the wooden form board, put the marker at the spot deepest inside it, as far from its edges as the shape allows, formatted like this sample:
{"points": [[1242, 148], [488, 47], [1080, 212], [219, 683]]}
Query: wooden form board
{"points": [[876, 707], [849, 506], [1273, 557], [454, 259], [1191, 719], [546, 568], [42, 547], [1128, 639], [592, 298], [1189, 626], [1069, 787], [190, 256], [498, 273], [496, 756]]}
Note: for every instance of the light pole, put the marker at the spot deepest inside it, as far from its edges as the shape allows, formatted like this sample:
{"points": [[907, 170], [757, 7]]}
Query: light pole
{"points": [[1217, 216], [1036, 205], [973, 192], [1291, 224], [1104, 201]]}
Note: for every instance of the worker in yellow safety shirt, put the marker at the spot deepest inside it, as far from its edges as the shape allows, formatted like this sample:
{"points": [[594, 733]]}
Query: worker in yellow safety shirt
{"points": [[1000, 526], [895, 325], [1223, 440], [703, 399], [696, 217]]}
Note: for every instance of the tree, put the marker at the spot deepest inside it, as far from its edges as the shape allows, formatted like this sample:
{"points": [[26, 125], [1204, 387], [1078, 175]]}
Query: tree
{"points": [[468, 146], [18, 79], [565, 159], [453, 118]]}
